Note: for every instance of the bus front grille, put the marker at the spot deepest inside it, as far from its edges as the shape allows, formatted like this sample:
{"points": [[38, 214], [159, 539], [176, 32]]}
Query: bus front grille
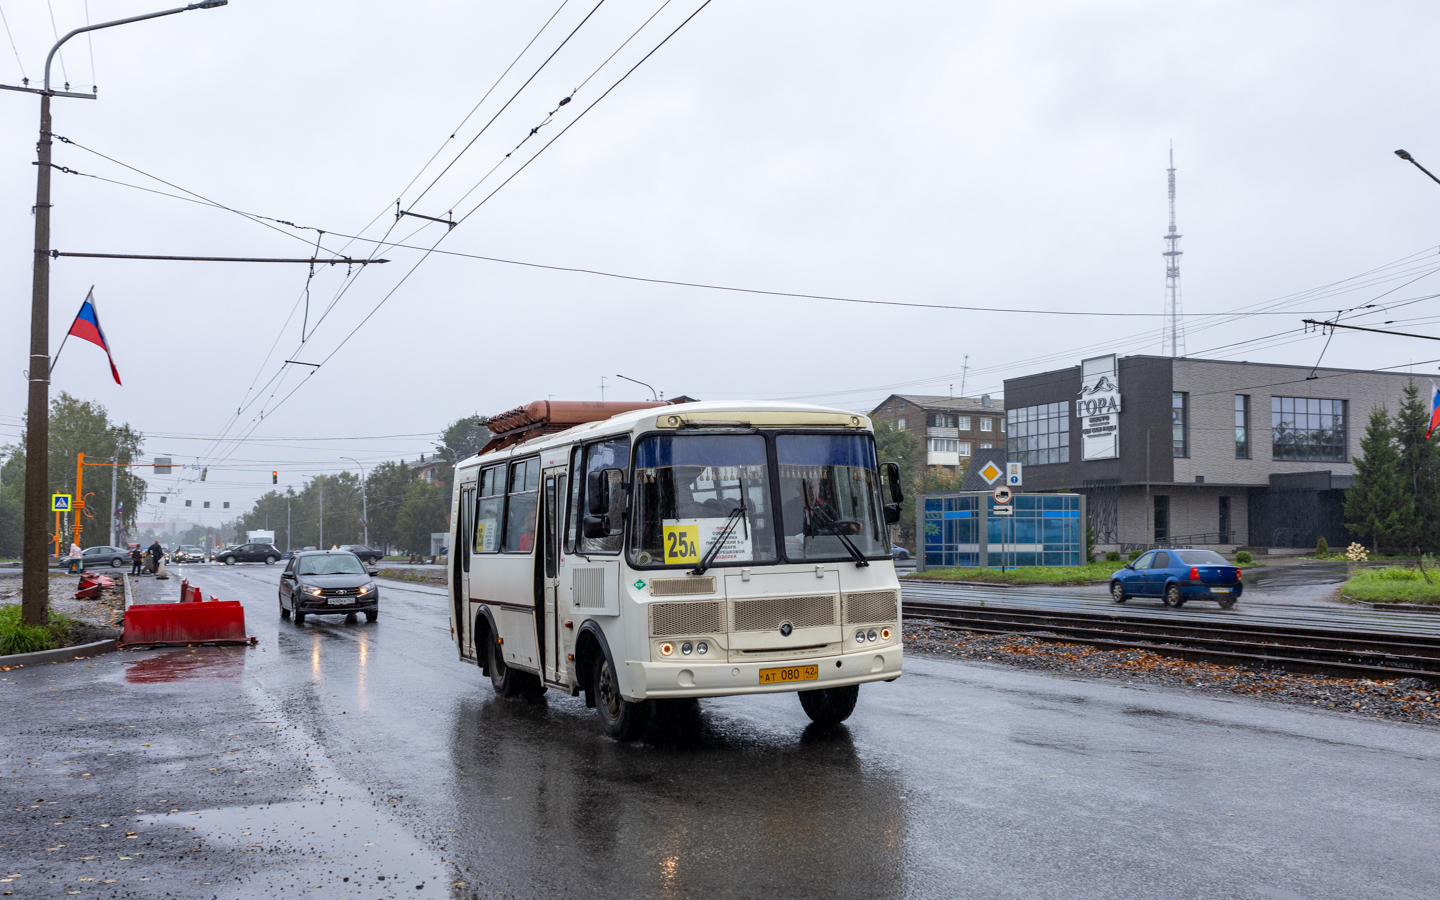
{"points": [[694, 617], [871, 606], [768, 613], [678, 587]]}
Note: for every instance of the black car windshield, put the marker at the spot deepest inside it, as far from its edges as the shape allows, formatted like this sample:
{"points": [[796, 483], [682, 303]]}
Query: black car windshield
{"points": [[690, 490], [331, 564], [829, 494], [1201, 558]]}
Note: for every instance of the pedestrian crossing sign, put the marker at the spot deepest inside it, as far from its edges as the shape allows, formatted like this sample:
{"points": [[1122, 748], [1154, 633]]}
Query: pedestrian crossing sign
{"points": [[60, 502], [991, 472]]}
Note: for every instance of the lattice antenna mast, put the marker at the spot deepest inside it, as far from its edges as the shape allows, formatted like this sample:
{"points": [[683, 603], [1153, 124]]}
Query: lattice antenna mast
{"points": [[1175, 328]]}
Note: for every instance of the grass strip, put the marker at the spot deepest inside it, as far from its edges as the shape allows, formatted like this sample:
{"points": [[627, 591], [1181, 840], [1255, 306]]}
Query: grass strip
{"points": [[1094, 573], [17, 637], [1393, 584]]}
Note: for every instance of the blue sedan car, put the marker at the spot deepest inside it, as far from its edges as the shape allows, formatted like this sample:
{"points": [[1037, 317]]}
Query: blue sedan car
{"points": [[1178, 575]]}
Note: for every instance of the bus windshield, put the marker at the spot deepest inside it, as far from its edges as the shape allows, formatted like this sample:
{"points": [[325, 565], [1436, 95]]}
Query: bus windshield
{"points": [[698, 492], [829, 495]]}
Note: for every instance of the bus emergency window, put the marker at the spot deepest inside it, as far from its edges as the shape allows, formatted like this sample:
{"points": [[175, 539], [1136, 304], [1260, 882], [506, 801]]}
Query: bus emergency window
{"points": [[524, 502], [489, 510], [611, 454], [692, 490], [829, 486]]}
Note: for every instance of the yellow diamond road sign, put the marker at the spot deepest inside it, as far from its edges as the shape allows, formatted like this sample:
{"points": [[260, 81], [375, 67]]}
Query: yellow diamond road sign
{"points": [[60, 502], [991, 472]]}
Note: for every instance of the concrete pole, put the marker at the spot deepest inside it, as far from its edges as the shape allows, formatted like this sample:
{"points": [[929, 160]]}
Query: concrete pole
{"points": [[35, 600]]}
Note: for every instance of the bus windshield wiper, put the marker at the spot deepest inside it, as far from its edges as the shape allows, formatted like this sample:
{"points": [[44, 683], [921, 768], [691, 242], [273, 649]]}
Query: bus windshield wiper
{"points": [[718, 541], [821, 515]]}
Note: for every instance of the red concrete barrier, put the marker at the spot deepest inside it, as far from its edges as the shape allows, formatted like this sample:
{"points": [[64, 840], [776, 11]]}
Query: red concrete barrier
{"points": [[192, 621]]}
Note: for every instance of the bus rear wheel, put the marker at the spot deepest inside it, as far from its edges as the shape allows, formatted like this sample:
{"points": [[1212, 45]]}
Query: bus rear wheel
{"points": [[624, 720], [509, 682], [830, 706]]}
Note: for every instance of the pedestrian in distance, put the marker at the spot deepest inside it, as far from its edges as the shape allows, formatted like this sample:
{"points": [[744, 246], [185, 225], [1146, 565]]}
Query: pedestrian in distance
{"points": [[156, 554], [136, 558], [76, 558]]}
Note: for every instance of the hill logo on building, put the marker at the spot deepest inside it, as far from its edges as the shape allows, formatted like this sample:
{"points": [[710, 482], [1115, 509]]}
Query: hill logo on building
{"points": [[1098, 408]]}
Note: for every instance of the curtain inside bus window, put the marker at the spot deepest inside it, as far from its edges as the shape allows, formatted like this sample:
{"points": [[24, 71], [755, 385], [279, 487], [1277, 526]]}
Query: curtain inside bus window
{"points": [[488, 509], [694, 490], [524, 501], [829, 486], [611, 454]]}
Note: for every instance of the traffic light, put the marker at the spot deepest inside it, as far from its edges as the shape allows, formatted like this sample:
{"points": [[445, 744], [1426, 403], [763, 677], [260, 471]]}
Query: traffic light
{"points": [[274, 477], [203, 472]]}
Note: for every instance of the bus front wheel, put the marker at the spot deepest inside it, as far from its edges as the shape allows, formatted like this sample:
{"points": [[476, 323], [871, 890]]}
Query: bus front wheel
{"points": [[624, 720], [830, 706]]}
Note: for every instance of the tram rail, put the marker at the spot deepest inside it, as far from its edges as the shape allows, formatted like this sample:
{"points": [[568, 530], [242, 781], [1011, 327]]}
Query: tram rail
{"points": [[1311, 651]]}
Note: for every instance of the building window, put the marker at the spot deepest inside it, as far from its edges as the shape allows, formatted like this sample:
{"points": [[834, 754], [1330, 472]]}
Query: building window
{"points": [[1039, 435], [1306, 429], [900, 423], [1225, 520], [964, 448], [944, 445], [987, 424], [964, 423], [1162, 518], [986, 446], [1242, 428], [1179, 446]]}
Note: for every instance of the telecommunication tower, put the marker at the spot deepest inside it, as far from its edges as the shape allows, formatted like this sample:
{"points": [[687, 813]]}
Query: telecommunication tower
{"points": [[1174, 337]]}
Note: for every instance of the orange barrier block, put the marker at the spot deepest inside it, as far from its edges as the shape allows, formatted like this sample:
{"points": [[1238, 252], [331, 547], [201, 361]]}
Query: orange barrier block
{"points": [[216, 622]]}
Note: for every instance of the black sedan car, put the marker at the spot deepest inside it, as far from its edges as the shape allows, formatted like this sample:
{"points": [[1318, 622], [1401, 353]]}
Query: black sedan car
{"points": [[328, 583], [269, 554], [368, 555]]}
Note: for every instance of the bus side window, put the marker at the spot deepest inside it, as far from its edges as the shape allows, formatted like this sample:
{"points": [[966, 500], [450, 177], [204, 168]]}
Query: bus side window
{"points": [[611, 454], [521, 513], [488, 510], [572, 509]]}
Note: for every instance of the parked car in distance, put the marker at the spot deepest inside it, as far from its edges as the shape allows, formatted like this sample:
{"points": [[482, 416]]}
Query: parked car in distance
{"points": [[368, 555], [328, 582], [898, 552], [269, 554], [1176, 576], [105, 556]]}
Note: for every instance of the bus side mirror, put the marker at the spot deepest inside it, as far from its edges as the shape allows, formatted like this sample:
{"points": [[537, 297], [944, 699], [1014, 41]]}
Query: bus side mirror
{"points": [[892, 474], [603, 489], [596, 526], [892, 513]]}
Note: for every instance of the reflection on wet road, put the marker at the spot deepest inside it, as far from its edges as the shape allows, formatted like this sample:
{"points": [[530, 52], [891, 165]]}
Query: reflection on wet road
{"points": [[355, 750]]}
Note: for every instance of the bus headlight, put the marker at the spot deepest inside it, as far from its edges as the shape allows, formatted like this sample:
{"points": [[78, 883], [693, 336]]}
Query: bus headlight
{"points": [[872, 635], [702, 648], [859, 637], [685, 648]]}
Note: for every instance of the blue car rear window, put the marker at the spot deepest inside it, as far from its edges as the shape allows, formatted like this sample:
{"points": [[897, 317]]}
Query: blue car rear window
{"points": [[1202, 558]]}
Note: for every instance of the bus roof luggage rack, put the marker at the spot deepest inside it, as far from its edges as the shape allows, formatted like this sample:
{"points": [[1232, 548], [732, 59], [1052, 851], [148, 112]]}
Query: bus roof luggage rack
{"points": [[552, 416]]}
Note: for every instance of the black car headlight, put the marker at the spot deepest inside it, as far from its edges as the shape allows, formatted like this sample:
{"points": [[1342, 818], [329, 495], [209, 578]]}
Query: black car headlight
{"points": [[367, 588]]}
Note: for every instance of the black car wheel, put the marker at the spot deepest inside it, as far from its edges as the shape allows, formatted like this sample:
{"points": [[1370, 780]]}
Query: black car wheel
{"points": [[830, 706], [371, 615], [284, 613], [1226, 601], [229, 560], [622, 719], [299, 617], [1172, 596], [1117, 592], [270, 560]]}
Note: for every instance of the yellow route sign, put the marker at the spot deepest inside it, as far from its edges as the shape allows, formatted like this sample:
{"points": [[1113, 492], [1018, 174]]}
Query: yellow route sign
{"points": [[60, 502], [991, 472]]}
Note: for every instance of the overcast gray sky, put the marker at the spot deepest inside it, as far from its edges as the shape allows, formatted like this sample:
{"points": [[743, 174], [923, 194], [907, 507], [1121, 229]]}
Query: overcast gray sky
{"points": [[981, 154]]}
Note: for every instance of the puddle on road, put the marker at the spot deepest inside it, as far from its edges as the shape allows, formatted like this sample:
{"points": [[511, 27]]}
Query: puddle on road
{"points": [[189, 664], [348, 848]]}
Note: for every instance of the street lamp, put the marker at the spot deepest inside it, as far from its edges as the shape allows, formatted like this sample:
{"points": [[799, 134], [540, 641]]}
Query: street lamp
{"points": [[364, 505], [653, 395], [1405, 155], [35, 602]]}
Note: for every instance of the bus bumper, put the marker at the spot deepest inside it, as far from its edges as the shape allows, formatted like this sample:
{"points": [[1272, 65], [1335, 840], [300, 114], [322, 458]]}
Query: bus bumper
{"points": [[650, 680]]}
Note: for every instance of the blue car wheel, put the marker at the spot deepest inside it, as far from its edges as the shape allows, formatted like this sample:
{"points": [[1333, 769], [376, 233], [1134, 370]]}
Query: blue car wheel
{"points": [[1117, 591]]}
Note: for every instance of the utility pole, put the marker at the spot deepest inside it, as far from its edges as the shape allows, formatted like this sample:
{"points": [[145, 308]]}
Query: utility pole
{"points": [[35, 601], [321, 545], [364, 503], [287, 524]]}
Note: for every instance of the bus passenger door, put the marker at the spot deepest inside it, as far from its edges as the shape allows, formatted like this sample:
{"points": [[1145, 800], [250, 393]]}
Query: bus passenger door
{"points": [[551, 642]]}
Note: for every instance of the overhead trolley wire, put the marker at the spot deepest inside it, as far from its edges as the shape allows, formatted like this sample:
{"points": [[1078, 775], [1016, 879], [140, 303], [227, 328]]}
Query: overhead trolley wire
{"points": [[24, 79]]}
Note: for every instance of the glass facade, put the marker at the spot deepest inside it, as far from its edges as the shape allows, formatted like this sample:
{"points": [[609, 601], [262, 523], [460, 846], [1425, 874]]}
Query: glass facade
{"points": [[1242, 426], [1307, 429], [1044, 530], [1038, 435]]}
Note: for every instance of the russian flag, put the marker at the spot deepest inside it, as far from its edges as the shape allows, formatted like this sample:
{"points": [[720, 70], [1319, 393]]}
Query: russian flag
{"points": [[87, 328], [1434, 410]]}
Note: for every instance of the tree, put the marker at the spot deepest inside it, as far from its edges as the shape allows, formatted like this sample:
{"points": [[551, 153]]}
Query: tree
{"points": [[421, 514], [1379, 507], [1419, 470], [12, 501], [460, 440], [388, 485], [906, 448]]}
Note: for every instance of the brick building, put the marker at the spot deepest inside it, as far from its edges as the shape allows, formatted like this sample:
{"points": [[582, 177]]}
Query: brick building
{"points": [[953, 428], [1197, 451]]}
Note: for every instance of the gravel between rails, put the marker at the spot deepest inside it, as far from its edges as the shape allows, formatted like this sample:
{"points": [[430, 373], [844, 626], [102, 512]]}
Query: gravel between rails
{"points": [[1403, 700]]}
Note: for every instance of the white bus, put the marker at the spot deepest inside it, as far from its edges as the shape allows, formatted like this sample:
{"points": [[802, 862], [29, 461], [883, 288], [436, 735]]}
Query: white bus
{"points": [[639, 552]]}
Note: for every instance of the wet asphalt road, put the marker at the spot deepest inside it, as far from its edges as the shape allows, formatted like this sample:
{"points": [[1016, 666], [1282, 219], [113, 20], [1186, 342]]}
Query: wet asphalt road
{"points": [[337, 751]]}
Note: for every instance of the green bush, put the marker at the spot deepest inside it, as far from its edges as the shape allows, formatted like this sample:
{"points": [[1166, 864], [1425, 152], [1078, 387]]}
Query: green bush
{"points": [[1112, 556], [1244, 558], [17, 637], [1134, 555], [1322, 548]]}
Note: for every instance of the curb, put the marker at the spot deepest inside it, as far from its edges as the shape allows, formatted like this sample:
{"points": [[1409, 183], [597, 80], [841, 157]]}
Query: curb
{"points": [[64, 654], [1406, 607]]}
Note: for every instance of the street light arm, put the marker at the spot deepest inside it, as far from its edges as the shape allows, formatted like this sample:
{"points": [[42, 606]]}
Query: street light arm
{"points": [[1412, 161], [204, 4], [653, 396]]}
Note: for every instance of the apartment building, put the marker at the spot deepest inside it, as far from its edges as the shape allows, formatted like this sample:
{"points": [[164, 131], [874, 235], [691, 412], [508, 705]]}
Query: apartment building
{"points": [[953, 428]]}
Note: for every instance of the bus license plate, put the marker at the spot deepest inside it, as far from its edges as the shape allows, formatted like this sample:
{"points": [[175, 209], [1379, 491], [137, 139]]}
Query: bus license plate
{"points": [[1219, 590], [793, 673], [340, 601]]}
